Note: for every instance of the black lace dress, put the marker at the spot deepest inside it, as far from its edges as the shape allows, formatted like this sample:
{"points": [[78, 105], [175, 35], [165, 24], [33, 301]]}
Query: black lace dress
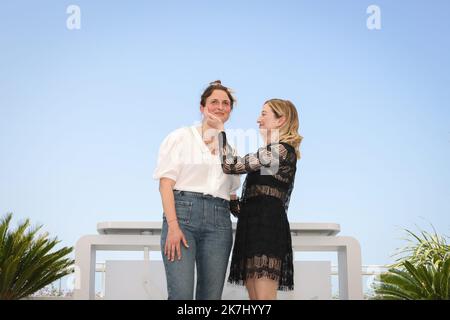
{"points": [[263, 246]]}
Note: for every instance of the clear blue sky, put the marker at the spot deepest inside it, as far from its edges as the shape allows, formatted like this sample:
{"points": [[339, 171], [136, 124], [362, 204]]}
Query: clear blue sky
{"points": [[82, 112]]}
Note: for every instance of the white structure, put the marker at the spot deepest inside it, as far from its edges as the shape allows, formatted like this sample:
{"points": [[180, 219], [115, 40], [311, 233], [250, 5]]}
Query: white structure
{"points": [[146, 280], [145, 236]]}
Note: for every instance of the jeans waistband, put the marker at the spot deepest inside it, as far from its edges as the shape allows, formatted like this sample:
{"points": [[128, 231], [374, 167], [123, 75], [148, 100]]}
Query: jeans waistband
{"points": [[199, 195]]}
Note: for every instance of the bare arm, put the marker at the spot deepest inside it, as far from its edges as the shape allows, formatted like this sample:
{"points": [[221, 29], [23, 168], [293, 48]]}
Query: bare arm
{"points": [[174, 235], [168, 200]]}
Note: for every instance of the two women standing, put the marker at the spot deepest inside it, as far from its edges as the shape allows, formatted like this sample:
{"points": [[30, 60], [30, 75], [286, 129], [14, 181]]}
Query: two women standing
{"points": [[196, 196]]}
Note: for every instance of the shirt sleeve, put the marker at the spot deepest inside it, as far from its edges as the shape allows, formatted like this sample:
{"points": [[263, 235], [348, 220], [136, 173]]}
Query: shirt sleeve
{"points": [[265, 157], [169, 161]]}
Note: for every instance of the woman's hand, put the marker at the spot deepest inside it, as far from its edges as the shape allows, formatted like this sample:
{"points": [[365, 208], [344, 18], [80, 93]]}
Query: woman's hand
{"points": [[172, 248], [213, 121]]}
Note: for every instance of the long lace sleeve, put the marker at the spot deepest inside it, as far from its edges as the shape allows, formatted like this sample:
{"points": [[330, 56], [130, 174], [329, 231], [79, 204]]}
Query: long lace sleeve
{"points": [[235, 207], [266, 157]]}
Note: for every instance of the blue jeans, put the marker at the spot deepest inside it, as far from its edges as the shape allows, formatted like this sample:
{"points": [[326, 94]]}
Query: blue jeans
{"points": [[206, 224]]}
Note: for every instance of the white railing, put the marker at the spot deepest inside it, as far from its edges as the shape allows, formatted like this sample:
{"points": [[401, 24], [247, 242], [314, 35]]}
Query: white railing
{"points": [[145, 236], [367, 271]]}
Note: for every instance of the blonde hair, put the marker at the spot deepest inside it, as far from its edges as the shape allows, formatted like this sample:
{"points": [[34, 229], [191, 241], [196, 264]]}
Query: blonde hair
{"points": [[289, 130]]}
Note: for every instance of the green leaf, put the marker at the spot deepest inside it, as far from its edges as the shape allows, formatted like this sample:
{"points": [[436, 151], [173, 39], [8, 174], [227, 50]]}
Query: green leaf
{"points": [[28, 261]]}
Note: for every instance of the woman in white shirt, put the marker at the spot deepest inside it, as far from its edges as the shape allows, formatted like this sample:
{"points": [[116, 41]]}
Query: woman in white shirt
{"points": [[195, 195]]}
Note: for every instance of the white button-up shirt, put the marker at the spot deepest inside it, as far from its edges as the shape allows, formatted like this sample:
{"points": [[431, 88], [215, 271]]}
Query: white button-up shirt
{"points": [[184, 158]]}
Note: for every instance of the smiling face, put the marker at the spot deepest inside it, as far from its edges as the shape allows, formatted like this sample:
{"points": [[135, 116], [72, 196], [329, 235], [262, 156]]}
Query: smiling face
{"points": [[268, 119], [219, 104]]}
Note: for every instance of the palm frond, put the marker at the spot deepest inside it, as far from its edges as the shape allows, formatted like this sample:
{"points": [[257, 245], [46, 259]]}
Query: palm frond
{"points": [[423, 272], [28, 261]]}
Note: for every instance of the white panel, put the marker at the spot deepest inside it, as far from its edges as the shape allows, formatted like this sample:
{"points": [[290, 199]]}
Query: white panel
{"points": [[137, 280], [146, 280], [312, 281]]}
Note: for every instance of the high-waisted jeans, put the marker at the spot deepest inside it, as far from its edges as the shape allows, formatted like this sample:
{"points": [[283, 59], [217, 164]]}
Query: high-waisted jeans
{"points": [[206, 224]]}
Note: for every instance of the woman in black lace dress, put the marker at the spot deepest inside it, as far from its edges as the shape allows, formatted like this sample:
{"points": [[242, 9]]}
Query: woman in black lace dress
{"points": [[262, 257]]}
